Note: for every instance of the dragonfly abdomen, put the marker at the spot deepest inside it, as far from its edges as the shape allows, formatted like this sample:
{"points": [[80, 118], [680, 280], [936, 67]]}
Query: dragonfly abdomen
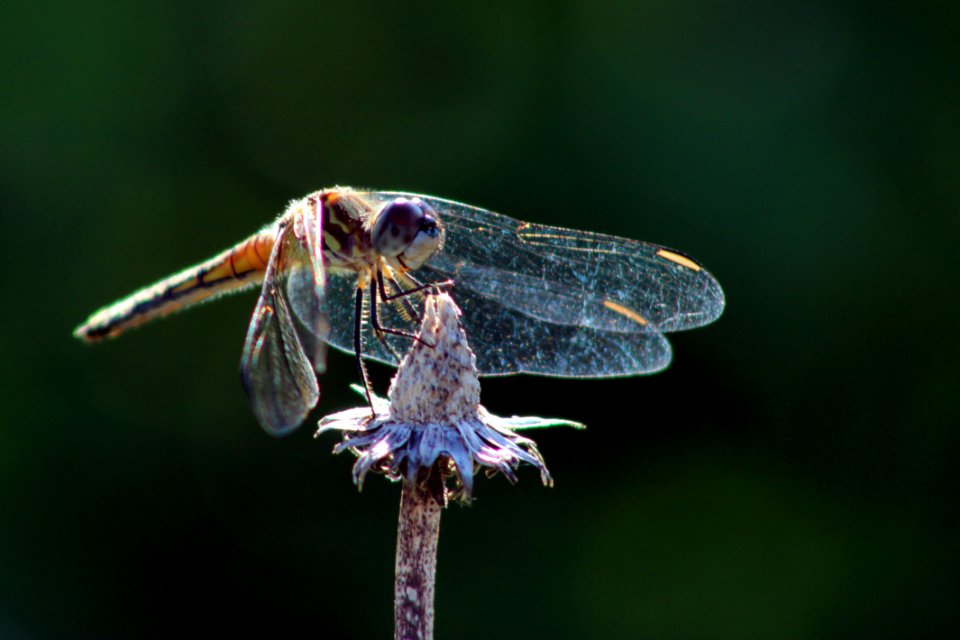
{"points": [[235, 269]]}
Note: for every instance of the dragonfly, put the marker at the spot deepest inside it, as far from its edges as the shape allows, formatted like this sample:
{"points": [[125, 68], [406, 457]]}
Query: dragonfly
{"points": [[346, 268]]}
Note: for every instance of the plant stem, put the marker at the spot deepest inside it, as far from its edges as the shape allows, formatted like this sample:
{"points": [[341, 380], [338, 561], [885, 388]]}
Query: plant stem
{"points": [[417, 535]]}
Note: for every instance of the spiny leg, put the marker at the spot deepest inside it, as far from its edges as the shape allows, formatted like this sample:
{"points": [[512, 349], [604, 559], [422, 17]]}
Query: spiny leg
{"points": [[377, 329], [403, 293], [408, 306], [403, 296], [380, 330], [358, 349]]}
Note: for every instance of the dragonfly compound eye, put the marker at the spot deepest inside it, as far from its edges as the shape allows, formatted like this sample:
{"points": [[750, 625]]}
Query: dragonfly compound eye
{"points": [[396, 226], [406, 229]]}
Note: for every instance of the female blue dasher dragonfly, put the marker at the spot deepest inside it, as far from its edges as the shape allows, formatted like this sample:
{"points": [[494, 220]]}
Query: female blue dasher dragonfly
{"points": [[337, 267]]}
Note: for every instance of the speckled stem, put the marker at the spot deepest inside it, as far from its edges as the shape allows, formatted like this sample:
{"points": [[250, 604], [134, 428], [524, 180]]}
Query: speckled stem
{"points": [[417, 536]]}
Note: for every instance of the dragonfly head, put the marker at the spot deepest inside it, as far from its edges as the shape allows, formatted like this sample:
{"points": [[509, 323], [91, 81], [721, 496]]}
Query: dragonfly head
{"points": [[407, 230]]}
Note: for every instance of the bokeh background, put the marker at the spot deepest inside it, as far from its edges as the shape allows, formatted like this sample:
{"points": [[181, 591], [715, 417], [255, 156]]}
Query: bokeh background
{"points": [[792, 475]]}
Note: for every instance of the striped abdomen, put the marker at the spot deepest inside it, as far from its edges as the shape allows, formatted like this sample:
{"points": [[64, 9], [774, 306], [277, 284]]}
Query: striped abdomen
{"points": [[238, 268]]}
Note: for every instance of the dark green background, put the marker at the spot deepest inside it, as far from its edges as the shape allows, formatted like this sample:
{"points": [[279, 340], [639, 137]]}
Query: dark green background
{"points": [[790, 476]]}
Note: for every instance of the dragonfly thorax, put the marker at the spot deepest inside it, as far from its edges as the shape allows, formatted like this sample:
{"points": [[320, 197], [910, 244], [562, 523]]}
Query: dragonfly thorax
{"points": [[346, 234]]}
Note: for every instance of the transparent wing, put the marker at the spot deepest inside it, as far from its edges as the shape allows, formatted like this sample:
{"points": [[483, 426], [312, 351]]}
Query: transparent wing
{"points": [[506, 341], [574, 277], [302, 276], [553, 301], [283, 346]]}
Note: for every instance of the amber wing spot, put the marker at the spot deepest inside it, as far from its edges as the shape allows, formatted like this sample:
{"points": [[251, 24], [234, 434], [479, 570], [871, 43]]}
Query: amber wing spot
{"points": [[681, 260], [625, 311]]}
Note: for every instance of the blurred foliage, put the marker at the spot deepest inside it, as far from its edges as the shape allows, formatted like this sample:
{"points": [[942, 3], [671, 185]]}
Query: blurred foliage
{"points": [[791, 475]]}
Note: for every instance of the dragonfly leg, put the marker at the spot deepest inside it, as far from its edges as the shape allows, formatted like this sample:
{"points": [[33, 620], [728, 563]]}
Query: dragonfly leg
{"points": [[404, 299], [377, 329], [358, 349], [403, 296], [403, 293]]}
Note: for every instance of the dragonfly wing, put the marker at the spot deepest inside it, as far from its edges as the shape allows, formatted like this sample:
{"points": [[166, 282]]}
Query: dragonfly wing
{"points": [[509, 341], [277, 373], [553, 301], [504, 340], [575, 277], [302, 276]]}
